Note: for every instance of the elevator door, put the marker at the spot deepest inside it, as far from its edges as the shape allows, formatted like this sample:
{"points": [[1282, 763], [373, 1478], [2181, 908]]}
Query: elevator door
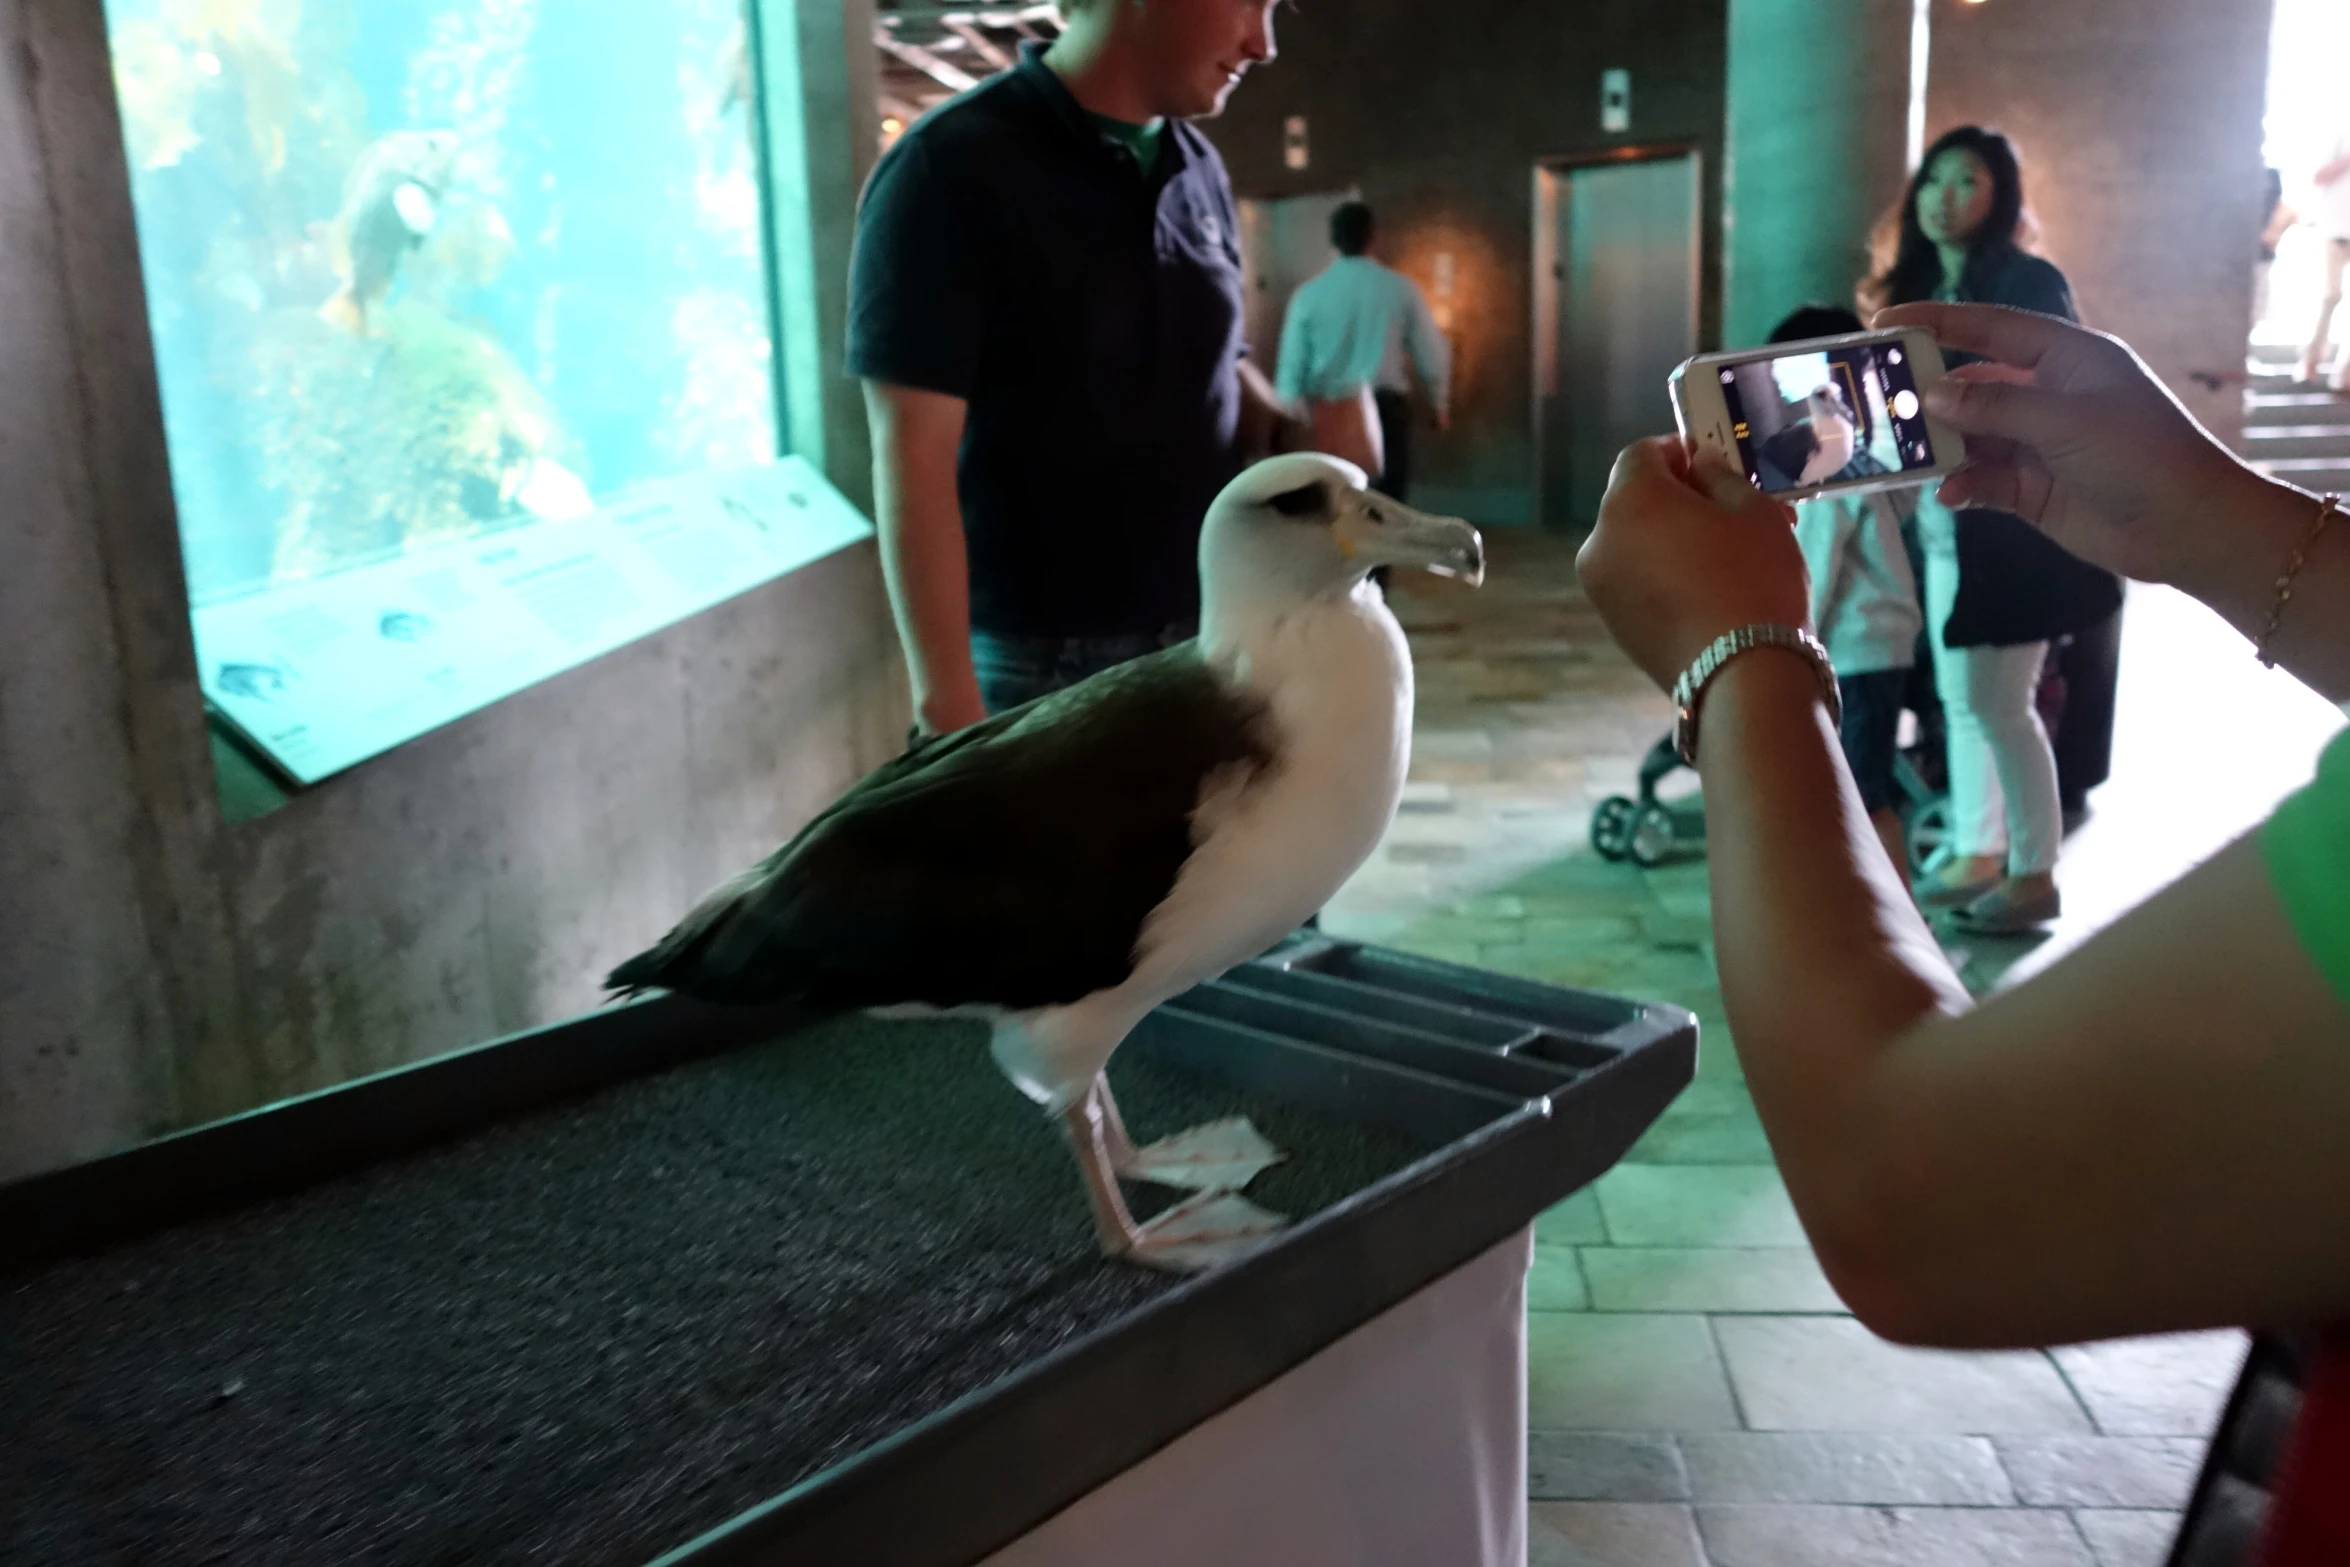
{"points": [[1282, 243], [1615, 309]]}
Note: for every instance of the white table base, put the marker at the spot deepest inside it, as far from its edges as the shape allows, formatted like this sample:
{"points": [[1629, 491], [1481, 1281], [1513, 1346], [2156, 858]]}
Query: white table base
{"points": [[1401, 1445]]}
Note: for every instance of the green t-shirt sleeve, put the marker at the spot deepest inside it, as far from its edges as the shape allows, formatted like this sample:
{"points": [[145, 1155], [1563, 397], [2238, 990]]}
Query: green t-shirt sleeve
{"points": [[2307, 846]]}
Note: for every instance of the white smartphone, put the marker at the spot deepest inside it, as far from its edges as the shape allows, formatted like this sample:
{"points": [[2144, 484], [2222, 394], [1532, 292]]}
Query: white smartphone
{"points": [[1822, 415]]}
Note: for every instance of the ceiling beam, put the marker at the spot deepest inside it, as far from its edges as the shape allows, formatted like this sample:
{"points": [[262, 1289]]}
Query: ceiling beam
{"points": [[1007, 17], [982, 45], [952, 77]]}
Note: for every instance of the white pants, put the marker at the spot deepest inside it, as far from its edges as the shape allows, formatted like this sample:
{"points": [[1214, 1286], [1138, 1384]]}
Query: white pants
{"points": [[2002, 772], [2313, 357]]}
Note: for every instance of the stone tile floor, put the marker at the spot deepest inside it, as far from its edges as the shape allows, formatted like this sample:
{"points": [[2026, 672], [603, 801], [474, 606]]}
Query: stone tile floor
{"points": [[1699, 1397]]}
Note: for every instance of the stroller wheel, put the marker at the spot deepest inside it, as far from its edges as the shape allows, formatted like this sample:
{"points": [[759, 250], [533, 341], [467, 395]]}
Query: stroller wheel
{"points": [[1653, 836], [1926, 832], [1611, 827]]}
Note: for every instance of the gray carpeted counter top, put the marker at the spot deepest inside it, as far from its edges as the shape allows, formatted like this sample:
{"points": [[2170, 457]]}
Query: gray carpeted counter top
{"points": [[590, 1333]]}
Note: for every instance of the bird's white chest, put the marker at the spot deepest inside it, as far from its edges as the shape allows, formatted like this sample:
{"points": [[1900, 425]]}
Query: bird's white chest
{"points": [[1272, 851], [1341, 694]]}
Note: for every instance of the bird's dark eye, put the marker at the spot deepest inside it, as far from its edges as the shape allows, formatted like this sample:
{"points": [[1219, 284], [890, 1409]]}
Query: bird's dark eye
{"points": [[1305, 501], [1376, 514]]}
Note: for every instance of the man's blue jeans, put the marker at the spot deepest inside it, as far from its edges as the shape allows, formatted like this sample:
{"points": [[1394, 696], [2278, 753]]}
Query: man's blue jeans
{"points": [[1013, 670]]}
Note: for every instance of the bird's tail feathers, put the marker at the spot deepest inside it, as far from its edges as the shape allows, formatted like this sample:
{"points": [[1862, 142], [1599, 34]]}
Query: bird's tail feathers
{"points": [[714, 954]]}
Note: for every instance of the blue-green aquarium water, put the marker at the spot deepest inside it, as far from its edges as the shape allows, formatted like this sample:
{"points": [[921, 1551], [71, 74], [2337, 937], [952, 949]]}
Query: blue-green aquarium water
{"points": [[418, 271], [426, 274]]}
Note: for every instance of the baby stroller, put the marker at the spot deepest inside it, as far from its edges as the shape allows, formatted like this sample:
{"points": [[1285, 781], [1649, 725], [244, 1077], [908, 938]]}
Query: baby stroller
{"points": [[1649, 831]]}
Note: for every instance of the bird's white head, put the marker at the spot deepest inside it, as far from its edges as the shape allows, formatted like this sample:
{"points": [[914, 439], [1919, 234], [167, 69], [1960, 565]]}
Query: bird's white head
{"points": [[1303, 526]]}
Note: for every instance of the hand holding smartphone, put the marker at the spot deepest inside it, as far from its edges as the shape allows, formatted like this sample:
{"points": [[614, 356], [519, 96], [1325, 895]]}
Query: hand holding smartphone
{"points": [[1820, 416]]}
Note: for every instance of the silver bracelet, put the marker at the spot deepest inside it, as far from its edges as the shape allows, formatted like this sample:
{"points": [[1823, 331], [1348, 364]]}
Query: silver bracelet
{"points": [[1689, 690]]}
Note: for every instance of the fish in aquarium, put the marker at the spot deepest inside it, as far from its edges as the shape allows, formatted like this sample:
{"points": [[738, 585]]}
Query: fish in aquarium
{"points": [[549, 491], [471, 244], [390, 202], [259, 682]]}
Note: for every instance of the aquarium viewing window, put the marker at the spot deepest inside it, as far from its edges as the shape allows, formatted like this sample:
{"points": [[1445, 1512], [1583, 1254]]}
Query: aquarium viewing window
{"points": [[464, 329]]}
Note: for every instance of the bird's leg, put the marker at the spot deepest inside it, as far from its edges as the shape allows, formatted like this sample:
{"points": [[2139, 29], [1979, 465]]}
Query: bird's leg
{"points": [[1088, 1132], [1115, 1139], [1219, 1156], [1195, 1234]]}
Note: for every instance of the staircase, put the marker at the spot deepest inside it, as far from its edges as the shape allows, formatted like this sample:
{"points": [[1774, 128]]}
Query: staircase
{"points": [[2300, 434]]}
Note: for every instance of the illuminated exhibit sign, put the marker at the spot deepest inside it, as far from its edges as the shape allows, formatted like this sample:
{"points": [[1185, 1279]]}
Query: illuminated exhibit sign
{"points": [[320, 675], [464, 325]]}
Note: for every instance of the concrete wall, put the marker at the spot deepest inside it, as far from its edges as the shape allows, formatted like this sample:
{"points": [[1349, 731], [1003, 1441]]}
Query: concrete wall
{"points": [[158, 967], [2140, 127], [1818, 134], [1440, 114]]}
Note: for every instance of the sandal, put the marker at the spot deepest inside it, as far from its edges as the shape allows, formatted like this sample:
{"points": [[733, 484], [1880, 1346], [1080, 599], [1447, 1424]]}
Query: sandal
{"points": [[1937, 890], [2001, 912]]}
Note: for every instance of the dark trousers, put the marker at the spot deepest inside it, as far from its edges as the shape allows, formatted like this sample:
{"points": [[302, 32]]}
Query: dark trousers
{"points": [[1870, 732], [1014, 670], [2083, 741], [1395, 432]]}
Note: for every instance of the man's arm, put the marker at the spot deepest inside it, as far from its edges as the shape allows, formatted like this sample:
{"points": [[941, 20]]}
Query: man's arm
{"points": [[1266, 424], [1296, 349], [921, 284], [916, 436], [1431, 353]]}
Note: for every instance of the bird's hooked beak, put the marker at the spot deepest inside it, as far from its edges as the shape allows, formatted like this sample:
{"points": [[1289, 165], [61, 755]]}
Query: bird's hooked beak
{"points": [[1383, 532]]}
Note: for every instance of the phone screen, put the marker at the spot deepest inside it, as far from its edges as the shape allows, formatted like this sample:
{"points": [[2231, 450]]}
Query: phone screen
{"points": [[1827, 415]]}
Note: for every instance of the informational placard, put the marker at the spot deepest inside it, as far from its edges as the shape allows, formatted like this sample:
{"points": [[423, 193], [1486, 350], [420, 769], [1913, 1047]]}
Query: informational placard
{"points": [[322, 674]]}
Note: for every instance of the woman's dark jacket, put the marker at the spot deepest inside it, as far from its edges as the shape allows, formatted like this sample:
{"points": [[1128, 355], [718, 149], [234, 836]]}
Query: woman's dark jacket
{"points": [[2015, 585]]}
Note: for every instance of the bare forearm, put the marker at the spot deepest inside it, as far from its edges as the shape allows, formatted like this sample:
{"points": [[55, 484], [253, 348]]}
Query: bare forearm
{"points": [[1264, 418], [919, 517], [1934, 1157], [923, 558], [2253, 541], [1824, 962]]}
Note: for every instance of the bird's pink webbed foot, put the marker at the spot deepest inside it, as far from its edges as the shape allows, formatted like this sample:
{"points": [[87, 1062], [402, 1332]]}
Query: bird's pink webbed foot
{"points": [[1215, 1156], [1206, 1229]]}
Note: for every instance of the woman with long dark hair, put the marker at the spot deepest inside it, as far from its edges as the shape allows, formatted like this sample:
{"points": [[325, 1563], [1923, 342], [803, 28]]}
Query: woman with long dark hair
{"points": [[1997, 591]]}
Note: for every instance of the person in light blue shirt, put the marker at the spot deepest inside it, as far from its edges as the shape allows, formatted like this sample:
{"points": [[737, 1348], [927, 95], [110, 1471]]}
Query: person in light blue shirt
{"points": [[1361, 324]]}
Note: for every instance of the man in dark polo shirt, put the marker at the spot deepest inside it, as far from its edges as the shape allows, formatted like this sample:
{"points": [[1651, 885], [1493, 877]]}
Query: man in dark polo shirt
{"points": [[1045, 307]]}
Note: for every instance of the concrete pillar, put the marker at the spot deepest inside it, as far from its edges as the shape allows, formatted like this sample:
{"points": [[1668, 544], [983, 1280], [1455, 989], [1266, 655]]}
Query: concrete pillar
{"points": [[110, 962], [1818, 130], [2139, 122]]}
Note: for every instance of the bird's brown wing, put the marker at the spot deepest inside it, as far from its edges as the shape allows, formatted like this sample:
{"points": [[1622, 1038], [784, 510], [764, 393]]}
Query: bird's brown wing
{"points": [[1012, 863]]}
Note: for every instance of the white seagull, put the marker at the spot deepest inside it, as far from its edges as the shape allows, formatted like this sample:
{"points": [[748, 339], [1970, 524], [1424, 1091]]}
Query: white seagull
{"points": [[1066, 866]]}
